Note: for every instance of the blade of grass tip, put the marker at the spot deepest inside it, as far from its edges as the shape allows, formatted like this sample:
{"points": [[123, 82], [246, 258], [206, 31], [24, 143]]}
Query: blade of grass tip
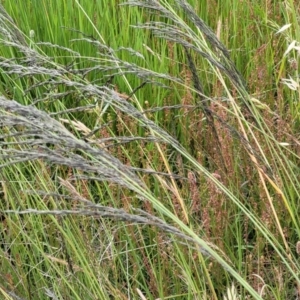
{"points": [[16, 30], [177, 193]]}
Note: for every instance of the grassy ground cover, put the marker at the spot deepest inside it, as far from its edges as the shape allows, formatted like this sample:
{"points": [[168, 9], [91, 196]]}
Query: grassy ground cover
{"points": [[149, 149]]}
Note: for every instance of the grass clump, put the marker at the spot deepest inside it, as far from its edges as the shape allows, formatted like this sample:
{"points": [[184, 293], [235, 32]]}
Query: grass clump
{"points": [[156, 158]]}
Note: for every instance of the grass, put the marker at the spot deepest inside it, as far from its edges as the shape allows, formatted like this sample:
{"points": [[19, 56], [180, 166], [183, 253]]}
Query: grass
{"points": [[149, 150]]}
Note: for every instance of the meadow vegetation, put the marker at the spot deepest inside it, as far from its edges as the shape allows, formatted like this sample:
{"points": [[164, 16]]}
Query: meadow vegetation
{"points": [[149, 149]]}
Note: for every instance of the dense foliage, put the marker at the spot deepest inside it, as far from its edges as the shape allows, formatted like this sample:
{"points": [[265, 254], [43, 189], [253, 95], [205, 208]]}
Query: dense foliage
{"points": [[149, 149]]}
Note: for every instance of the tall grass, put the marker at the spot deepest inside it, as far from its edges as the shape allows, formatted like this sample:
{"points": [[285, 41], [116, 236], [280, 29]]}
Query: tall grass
{"points": [[149, 150]]}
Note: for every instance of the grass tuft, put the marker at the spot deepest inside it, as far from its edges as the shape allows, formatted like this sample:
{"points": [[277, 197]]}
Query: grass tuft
{"points": [[149, 150]]}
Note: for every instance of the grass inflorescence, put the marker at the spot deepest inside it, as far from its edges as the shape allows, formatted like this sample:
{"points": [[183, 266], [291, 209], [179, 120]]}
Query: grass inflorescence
{"points": [[149, 150]]}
